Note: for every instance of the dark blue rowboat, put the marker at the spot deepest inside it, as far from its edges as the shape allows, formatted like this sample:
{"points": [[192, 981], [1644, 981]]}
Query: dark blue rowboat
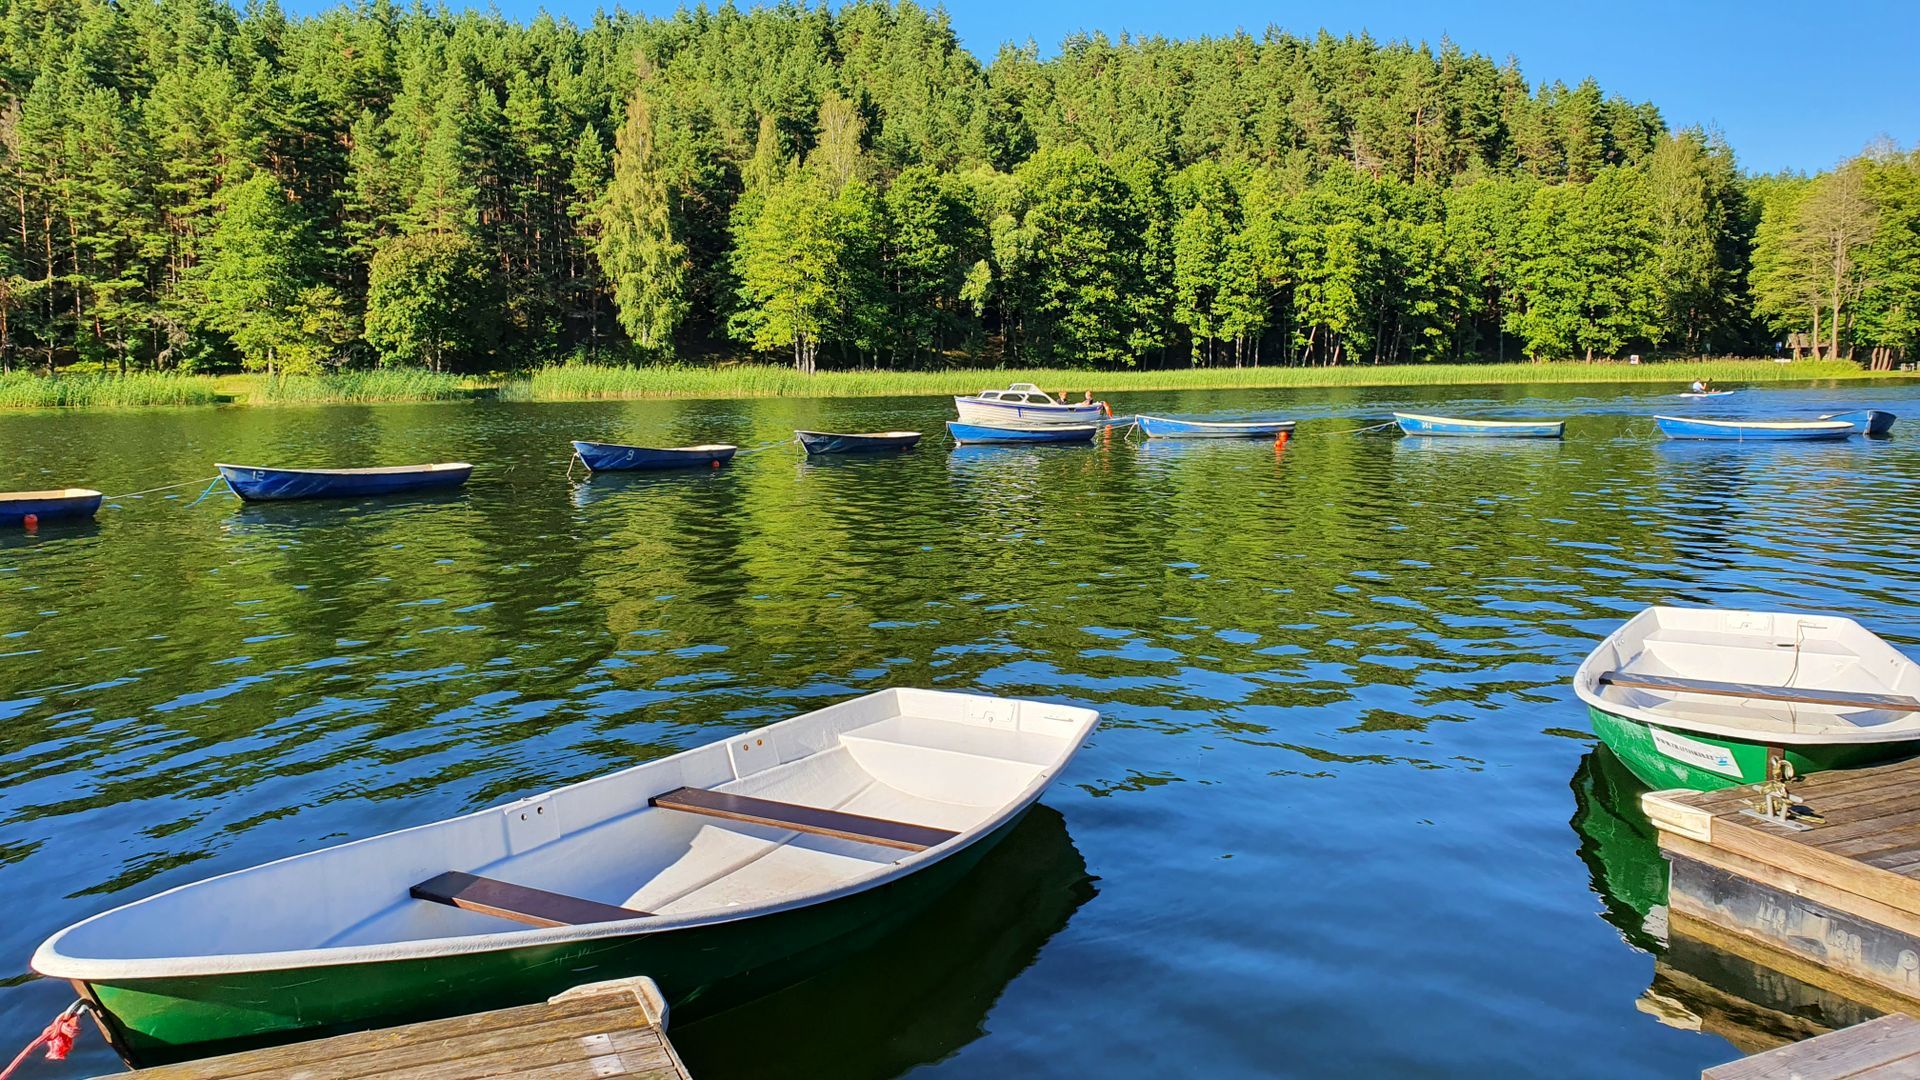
{"points": [[605, 457], [1866, 421], [1054, 433], [1687, 427], [257, 483], [1416, 424], [1160, 427], [836, 442], [59, 504]]}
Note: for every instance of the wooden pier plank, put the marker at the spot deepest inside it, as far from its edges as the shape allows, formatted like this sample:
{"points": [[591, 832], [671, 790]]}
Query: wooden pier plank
{"points": [[605, 1030], [1886, 1047]]}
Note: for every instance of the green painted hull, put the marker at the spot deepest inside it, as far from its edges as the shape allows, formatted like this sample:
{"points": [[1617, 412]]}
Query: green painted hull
{"points": [[699, 970], [1664, 758]]}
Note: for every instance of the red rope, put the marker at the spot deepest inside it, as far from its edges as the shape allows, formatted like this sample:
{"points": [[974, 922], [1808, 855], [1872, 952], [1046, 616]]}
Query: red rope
{"points": [[58, 1038]]}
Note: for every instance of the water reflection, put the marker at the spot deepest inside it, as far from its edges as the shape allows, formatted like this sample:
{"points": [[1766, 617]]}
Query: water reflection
{"points": [[1702, 980], [921, 992], [1621, 849]]}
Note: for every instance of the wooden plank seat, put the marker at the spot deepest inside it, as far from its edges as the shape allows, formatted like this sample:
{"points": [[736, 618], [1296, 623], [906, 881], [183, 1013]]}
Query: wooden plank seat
{"points": [[521, 903], [1797, 694], [806, 819]]}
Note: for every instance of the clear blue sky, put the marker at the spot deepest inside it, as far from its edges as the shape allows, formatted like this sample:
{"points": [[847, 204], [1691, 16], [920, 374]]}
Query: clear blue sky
{"points": [[1793, 85]]}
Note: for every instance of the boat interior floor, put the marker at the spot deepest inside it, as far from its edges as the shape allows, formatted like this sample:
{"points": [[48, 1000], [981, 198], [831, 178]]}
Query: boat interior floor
{"points": [[793, 829]]}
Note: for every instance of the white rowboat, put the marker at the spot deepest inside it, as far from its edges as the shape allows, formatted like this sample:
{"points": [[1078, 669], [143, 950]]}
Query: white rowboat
{"points": [[718, 859], [1703, 698]]}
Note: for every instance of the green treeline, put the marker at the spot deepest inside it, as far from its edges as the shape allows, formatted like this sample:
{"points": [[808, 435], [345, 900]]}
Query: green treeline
{"points": [[185, 187]]}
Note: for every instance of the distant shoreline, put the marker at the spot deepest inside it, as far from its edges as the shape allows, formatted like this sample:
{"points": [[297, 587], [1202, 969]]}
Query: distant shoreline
{"points": [[686, 381]]}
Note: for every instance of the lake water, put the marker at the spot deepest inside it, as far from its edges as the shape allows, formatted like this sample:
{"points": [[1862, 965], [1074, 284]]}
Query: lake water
{"points": [[1343, 816]]}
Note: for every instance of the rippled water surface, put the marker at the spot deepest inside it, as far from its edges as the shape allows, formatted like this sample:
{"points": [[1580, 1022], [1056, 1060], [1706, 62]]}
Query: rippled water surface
{"points": [[1344, 816]]}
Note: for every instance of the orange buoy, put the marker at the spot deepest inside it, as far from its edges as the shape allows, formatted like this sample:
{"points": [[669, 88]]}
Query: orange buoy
{"points": [[715, 463], [31, 522]]}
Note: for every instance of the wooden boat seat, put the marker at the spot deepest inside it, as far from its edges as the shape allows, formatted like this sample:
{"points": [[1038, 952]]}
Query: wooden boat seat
{"points": [[1796, 694], [503, 899], [806, 819]]}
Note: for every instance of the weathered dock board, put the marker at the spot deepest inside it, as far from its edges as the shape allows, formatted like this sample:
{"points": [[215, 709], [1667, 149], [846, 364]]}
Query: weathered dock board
{"points": [[608, 1029], [1881, 1049], [1837, 902]]}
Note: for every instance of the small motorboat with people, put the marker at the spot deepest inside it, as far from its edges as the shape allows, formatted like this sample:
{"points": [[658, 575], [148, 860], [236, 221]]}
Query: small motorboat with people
{"points": [[1026, 405], [605, 457], [1706, 698], [969, 434], [865, 442], [1694, 427], [260, 483], [1871, 422], [1417, 424], [1161, 427], [704, 866], [59, 504]]}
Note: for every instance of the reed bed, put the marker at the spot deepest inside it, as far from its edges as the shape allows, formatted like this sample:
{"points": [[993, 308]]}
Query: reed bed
{"points": [[26, 390], [580, 382], [359, 387]]}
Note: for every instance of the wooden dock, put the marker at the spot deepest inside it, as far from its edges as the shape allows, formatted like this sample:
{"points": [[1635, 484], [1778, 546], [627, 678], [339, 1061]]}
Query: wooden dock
{"points": [[1833, 903], [1883, 1049], [607, 1029]]}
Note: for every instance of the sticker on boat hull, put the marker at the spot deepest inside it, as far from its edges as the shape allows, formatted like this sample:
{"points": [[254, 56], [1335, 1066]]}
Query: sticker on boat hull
{"points": [[1715, 759]]}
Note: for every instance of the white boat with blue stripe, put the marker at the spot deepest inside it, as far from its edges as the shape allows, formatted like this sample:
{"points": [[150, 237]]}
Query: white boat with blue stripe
{"points": [[1025, 405], [1416, 424]]}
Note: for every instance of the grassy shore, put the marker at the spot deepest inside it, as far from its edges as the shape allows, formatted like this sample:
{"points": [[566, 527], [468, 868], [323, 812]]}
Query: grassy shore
{"points": [[588, 383], [591, 383], [21, 390]]}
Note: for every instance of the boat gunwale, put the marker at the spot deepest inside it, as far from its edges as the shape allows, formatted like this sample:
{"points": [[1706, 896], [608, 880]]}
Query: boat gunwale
{"points": [[1229, 424], [1586, 679], [97, 969], [1424, 418], [862, 434], [383, 470], [75, 494], [702, 448], [1764, 425]]}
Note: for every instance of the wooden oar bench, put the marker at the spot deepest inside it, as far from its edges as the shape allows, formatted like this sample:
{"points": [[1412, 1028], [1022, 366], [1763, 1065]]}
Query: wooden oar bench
{"points": [[521, 903], [538, 907], [1796, 694], [806, 819]]}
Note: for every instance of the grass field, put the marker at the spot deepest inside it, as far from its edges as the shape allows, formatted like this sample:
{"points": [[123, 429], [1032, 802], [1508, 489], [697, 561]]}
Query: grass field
{"points": [[587, 383], [590, 383]]}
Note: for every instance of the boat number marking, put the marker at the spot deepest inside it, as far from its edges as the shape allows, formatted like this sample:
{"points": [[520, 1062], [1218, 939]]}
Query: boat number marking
{"points": [[1694, 752]]}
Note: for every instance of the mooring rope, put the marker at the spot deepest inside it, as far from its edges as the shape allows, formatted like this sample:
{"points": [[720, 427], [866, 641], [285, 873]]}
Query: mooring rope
{"points": [[1351, 431], [163, 487], [218, 482]]}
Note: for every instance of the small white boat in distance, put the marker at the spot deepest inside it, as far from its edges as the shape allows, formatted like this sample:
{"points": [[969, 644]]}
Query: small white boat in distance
{"points": [[1024, 405], [1702, 698], [694, 868]]}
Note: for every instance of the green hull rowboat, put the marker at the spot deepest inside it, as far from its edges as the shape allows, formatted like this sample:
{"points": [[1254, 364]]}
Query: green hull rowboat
{"points": [[715, 871], [1665, 758], [1709, 699], [161, 1021]]}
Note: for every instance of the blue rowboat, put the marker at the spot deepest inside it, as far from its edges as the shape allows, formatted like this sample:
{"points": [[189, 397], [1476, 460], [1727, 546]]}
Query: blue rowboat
{"points": [[1416, 424], [965, 434], [1160, 427], [606, 457], [865, 442], [257, 483], [1687, 427], [1866, 421], [56, 505]]}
